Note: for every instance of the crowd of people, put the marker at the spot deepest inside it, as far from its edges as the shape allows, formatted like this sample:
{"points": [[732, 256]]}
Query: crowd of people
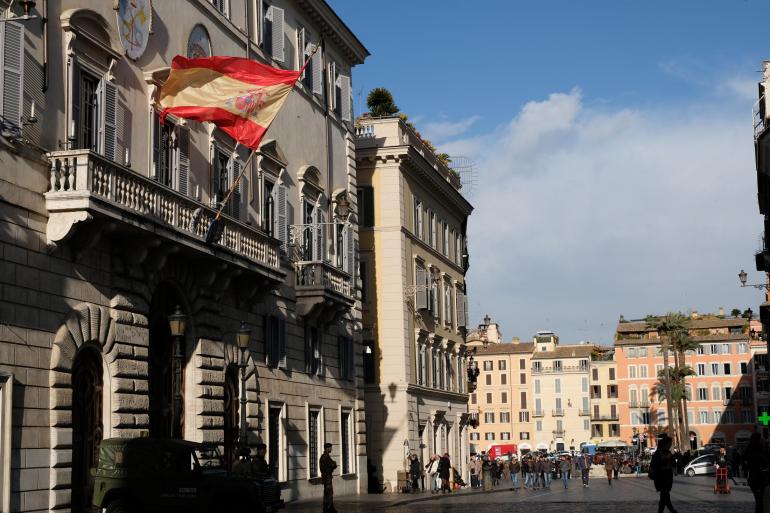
{"points": [[537, 471]]}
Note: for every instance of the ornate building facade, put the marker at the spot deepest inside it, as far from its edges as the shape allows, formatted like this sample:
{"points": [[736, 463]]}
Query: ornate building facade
{"points": [[104, 209], [413, 264]]}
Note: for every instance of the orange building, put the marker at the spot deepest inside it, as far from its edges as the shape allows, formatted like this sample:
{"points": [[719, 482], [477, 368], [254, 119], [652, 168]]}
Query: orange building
{"points": [[722, 406]]}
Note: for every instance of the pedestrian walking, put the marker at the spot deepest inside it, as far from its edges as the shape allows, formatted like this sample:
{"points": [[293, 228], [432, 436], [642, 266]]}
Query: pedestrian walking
{"points": [[757, 461], [584, 465], [609, 468], [478, 464], [547, 471], [564, 467], [432, 471], [507, 472], [662, 473], [415, 471], [525, 472], [327, 466], [616, 463], [444, 469], [515, 469], [472, 471], [486, 473]]}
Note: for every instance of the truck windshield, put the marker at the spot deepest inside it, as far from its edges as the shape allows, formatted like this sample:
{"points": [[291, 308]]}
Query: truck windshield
{"points": [[208, 457]]}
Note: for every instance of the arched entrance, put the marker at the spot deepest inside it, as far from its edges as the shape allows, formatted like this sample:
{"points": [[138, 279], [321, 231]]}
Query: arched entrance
{"points": [[87, 428], [231, 413], [161, 350]]}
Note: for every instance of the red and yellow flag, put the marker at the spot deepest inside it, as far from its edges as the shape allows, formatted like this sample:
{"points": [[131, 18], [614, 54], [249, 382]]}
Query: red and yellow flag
{"points": [[240, 96]]}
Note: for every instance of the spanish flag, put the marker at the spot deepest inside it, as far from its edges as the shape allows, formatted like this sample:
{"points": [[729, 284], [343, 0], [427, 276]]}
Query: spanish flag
{"points": [[240, 96]]}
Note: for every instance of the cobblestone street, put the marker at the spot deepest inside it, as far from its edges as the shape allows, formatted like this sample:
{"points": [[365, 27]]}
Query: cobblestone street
{"points": [[627, 495]]}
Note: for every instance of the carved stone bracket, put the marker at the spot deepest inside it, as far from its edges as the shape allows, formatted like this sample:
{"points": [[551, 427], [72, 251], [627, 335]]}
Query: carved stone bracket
{"points": [[60, 225]]}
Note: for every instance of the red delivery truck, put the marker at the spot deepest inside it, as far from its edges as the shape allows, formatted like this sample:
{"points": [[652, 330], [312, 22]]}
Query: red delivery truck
{"points": [[501, 450]]}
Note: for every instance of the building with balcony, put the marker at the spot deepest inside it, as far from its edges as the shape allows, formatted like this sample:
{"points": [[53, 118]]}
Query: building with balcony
{"points": [[721, 406], [413, 265], [502, 401], [104, 213], [605, 418], [560, 393], [761, 117]]}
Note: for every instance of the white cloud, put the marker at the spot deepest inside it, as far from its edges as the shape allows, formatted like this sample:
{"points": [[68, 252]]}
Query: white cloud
{"points": [[584, 215], [438, 131]]}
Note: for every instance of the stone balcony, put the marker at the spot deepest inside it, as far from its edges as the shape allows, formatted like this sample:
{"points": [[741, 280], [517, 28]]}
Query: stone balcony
{"points": [[91, 196], [324, 284]]}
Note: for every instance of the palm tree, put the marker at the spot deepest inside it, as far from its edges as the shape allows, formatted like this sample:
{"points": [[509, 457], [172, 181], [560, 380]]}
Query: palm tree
{"points": [[666, 326], [380, 102], [681, 341]]}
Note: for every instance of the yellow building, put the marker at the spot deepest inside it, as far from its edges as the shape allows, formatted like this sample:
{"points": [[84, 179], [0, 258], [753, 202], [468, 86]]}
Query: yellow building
{"points": [[502, 399], [413, 264], [561, 393]]}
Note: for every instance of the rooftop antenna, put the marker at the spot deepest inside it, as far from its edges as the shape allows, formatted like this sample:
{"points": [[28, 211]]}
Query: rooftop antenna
{"points": [[466, 168]]}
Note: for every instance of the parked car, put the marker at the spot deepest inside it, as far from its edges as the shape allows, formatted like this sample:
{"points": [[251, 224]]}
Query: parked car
{"points": [[705, 464], [146, 474]]}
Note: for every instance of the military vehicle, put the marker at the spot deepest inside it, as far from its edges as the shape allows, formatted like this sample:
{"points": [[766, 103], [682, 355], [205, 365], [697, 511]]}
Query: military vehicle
{"points": [[146, 474]]}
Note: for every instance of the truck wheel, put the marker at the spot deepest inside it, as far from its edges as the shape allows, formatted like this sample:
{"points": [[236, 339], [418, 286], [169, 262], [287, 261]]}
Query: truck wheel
{"points": [[120, 506]]}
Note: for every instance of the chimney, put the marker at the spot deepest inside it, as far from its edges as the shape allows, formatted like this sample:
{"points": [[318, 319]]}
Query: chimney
{"points": [[721, 312]]}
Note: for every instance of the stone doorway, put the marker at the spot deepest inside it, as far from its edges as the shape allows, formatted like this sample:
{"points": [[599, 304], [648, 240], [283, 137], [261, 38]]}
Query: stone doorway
{"points": [[87, 428]]}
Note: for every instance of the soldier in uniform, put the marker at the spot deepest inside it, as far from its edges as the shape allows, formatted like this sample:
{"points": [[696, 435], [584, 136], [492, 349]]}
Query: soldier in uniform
{"points": [[327, 466]]}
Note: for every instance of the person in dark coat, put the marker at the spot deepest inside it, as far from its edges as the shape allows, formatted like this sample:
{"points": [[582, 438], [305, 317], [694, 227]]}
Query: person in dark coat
{"points": [[444, 467], [327, 466], [662, 468], [415, 471], [757, 462]]}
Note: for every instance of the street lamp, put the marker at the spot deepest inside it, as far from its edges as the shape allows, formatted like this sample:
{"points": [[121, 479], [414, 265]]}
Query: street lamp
{"points": [[177, 323], [743, 277], [242, 339]]}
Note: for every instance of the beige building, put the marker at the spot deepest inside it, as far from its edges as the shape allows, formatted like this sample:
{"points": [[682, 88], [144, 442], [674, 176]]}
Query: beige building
{"points": [[487, 333], [502, 401], [103, 215], [413, 268], [560, 383], [605, 419]]}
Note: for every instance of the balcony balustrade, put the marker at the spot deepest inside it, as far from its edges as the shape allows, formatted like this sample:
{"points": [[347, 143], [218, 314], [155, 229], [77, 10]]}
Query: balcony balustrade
{"points": [[324, 285], [538, 413], [88, 189], [604, 417], [559, 433], [559, 370], [557, 413]]}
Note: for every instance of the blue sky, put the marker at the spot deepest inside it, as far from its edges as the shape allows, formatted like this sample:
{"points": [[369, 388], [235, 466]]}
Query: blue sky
{"points": [[617, 136]]}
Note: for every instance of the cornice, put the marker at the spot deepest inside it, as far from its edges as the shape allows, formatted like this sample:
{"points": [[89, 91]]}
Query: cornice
{"points": [[333, 28]]}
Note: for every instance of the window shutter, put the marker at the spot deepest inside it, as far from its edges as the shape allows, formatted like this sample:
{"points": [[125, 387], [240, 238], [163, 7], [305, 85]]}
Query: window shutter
{"points": [[465, 310], [281, 343], [422, 292], [268, 336], [349, 252], [281, 225], [301, 49], [317, 71], [277, 33], [319, 247], [345, 98], [110, 119], [235, 201], [308, 350], [12, 76], [183, 172]]}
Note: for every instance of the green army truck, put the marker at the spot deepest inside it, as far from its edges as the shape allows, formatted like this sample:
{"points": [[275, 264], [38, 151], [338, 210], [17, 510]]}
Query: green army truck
{"points": [[145, 474]]}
